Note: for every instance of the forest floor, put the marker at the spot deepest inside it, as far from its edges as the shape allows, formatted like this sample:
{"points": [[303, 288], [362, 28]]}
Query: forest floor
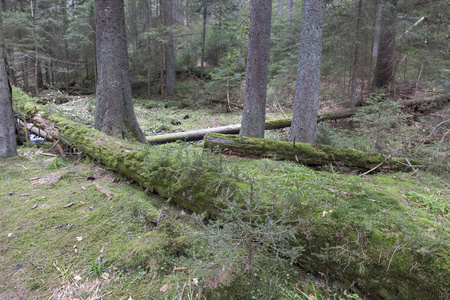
{"points": [[73, 229]]}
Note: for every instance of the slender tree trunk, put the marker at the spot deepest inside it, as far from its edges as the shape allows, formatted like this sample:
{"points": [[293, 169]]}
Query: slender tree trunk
{"points": [[288, 9], [356, 54], [205, 14], [149, 50], [36, 58], [39, 79], [384, 69], [254, 112], [186, 14], [67, 67], [94, 42], [133, 26], [8, 143], [161, 57], [376, 38], [169, 48], [25, 74], [114, 113], [280, 7], [304, 119]]}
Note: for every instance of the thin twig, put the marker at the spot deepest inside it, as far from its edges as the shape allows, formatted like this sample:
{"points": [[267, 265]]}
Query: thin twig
{"points": [[395, 250], [434, 130], [101, 296], [377, 166]]}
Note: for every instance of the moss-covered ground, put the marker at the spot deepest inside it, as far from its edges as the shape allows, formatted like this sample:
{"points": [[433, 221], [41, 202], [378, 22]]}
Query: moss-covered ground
{"points": [[117, 241]]}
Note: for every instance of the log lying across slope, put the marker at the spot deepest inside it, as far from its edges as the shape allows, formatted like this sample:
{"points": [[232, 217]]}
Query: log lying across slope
{"points": [[381, 263], [307, 154], [196, 135], [384, 262]]}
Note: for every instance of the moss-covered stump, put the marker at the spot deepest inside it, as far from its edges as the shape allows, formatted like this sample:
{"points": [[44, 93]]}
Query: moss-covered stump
{"points": [[307, 154]]}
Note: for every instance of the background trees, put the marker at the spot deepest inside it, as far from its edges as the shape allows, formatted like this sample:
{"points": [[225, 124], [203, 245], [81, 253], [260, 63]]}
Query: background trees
{"points": [[64, 58]]}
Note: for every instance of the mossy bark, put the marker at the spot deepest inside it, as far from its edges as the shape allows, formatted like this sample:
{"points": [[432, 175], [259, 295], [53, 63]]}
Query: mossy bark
{"points": [[307, 154]]}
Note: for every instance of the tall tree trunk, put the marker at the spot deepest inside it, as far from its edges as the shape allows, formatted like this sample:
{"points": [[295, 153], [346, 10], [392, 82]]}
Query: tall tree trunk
{"points": [[304, 118], [254, 112], [8, 143], [384, 69], [186, 14], [280, 7], [94, 41], [376, 37], [356, 54], [202, 62], [36, 58], [288, 9], [169, 48], [67, 67], [149, 50], [25, 74], [114, 113], [133, 25], [161, 57], [39, 79]]}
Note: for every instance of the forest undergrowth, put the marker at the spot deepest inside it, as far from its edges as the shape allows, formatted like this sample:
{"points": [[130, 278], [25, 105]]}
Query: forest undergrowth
{"points": [[73, 229]]}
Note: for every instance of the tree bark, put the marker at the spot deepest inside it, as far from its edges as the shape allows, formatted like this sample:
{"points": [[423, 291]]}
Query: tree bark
{"points": [[376, 38], [384, 68], [114, 113], [356, 54], [288, 9], [169, 48], [149, 49], [254, 111], [8, 143], [279, 7], [304, 153], [202, 62], [304, 120]]}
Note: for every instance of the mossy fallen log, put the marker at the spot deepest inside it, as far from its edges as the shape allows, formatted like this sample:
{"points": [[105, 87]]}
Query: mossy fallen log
{"points": [[307, 154], [362, 236]]}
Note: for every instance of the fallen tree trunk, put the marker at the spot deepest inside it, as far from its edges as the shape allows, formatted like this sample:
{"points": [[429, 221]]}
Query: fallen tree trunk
{"points": [[307, 154], [371, 265], [196, 135], [384, 262]]}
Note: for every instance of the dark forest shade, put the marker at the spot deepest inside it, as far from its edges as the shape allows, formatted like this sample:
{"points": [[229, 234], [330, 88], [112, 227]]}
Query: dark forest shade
{"points": [[114, 113], [254, 112], [304, 118]]}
